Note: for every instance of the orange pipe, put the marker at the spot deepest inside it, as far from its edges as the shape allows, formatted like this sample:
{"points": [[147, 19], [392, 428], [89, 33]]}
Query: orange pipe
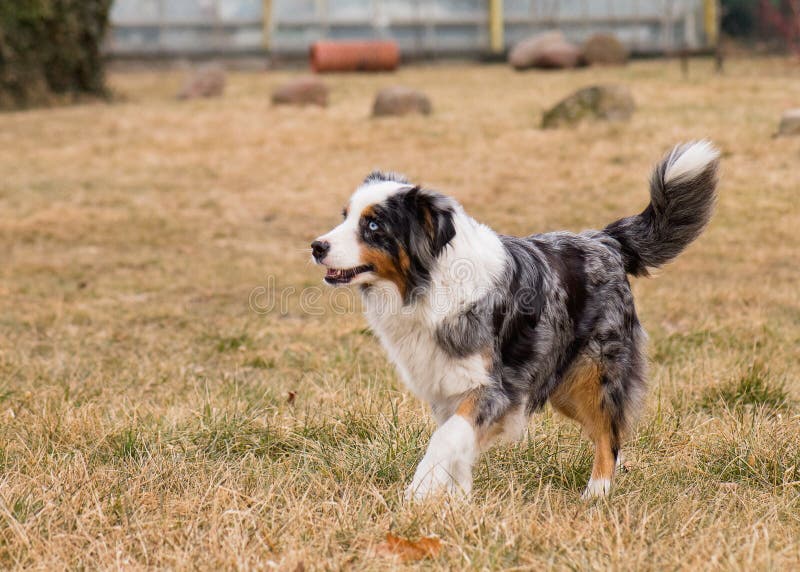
{"points": [[376, 55]]}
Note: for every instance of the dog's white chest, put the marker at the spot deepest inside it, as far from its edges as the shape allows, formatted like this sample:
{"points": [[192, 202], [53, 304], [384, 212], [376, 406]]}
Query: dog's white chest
{"points": [[426, 369]]}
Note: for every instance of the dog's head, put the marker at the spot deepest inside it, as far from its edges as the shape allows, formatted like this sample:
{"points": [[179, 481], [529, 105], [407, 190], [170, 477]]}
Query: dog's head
{"points": [[392, 231]]}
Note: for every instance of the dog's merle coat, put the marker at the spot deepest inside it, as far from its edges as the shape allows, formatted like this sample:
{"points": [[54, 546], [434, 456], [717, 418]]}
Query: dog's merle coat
{"points": [[546, 317], [567, 296]]}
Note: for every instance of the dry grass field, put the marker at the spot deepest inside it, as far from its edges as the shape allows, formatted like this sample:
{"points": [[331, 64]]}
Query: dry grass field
{"points": [[156, 412]]}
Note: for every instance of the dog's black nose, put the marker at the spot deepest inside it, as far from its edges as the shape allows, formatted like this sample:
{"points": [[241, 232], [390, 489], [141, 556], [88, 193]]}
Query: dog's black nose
{"points": [[319, 248]]}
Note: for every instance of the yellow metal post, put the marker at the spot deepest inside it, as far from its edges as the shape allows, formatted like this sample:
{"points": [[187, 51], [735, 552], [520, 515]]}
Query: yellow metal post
{"points": [[266, 22], [496, 40], [711, 13]]}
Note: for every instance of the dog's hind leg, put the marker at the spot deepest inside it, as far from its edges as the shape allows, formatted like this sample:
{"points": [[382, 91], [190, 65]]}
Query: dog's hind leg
{"points": [[580, 396]]}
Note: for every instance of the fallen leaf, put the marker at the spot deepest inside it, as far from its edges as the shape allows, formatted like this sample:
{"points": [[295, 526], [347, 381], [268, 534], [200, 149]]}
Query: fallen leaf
{"points": [[292, 397], [409, 550]]}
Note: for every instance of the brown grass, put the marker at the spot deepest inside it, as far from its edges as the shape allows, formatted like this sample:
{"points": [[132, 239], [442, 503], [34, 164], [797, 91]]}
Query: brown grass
{"points": [[146, 418]]}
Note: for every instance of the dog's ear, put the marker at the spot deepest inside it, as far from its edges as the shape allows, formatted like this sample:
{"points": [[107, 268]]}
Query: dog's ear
{"points": [[434, 213]]}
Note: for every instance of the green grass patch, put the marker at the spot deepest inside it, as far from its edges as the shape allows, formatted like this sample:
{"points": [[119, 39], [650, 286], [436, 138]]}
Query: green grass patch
{"points": [[755, 387], [130, 444], [259, 362], [25, 506], [232, 343], [677, 347]]}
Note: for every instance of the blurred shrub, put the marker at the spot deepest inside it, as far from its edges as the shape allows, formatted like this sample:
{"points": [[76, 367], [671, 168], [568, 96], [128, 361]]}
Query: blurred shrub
{"points": [[50, 48], [739, 18]]}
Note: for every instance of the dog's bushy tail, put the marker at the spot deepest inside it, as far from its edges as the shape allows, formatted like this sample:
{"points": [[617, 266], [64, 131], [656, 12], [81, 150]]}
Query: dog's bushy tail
{"points": [[682, 196]]}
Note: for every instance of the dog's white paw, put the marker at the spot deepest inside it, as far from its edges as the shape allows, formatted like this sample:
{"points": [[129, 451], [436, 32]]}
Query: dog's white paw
{"points": [[597, 488], [446, 467], [434, 480]]}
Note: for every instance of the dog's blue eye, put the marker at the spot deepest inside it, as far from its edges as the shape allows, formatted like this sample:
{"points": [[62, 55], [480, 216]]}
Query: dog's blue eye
{"points": [[373, 226]]}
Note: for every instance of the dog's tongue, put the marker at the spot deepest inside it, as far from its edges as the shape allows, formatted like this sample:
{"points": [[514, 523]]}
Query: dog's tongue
{"points": [[333, 273]]}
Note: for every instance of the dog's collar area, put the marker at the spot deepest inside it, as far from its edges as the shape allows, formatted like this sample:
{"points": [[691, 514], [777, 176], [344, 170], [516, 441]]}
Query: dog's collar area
{"points": [[343, 276]]}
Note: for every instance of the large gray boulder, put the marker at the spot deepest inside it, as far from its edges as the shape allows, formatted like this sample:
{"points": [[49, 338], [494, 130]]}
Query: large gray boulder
{"points": [[549, 50], [790, 123], [399, 100], [204, 81], [302, 91], [605, 49], [599, 102]]}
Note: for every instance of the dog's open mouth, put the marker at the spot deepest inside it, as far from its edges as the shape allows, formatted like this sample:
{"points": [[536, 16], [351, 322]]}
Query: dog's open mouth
{"points": [[339, 276]]}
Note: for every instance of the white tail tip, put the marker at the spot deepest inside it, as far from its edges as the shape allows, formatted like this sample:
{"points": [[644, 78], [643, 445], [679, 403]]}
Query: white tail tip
{"points": [[688, 161]]}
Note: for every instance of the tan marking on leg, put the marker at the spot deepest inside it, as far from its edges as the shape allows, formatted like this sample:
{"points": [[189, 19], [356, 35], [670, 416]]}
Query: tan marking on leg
{"points": [[603, 466], [579, 397], [487, 434], [468, 410], [467, 406]]}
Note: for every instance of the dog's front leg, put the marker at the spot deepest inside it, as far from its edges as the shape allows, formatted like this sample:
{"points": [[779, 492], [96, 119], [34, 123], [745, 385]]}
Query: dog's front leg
{"points": [[456, 444], [447, 464]]}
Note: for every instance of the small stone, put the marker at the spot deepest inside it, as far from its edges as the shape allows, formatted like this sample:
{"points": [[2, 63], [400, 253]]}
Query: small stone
{"points": [[605, 49], [205, 81], [549, 50], [400, 100], [790, 123], [302, 91], [599, 102]]}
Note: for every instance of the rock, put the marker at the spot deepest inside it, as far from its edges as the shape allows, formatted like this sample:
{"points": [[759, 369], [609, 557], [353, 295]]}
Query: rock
{"points": [[605, 49], [400, 100], [302, 91], [790, 123], [525, 52], [599, 102], [561, 56], [549, 50], [205, 81]]}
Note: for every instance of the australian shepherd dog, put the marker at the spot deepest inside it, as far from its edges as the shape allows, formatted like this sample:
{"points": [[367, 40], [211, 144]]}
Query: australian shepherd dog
{"points": [[488, 328]]}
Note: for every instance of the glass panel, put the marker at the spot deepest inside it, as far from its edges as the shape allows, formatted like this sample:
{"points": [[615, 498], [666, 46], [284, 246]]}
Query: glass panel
{"points": [[134, 11], [459, 7], [189, 39], [350, 9], [517, 8], [458, 37], [190, 10], [574, 9], [352, 32], [283, 10], [653, 8], [599, 9], [138, 39], [401, 9], [243, 38], [238, 10]]}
